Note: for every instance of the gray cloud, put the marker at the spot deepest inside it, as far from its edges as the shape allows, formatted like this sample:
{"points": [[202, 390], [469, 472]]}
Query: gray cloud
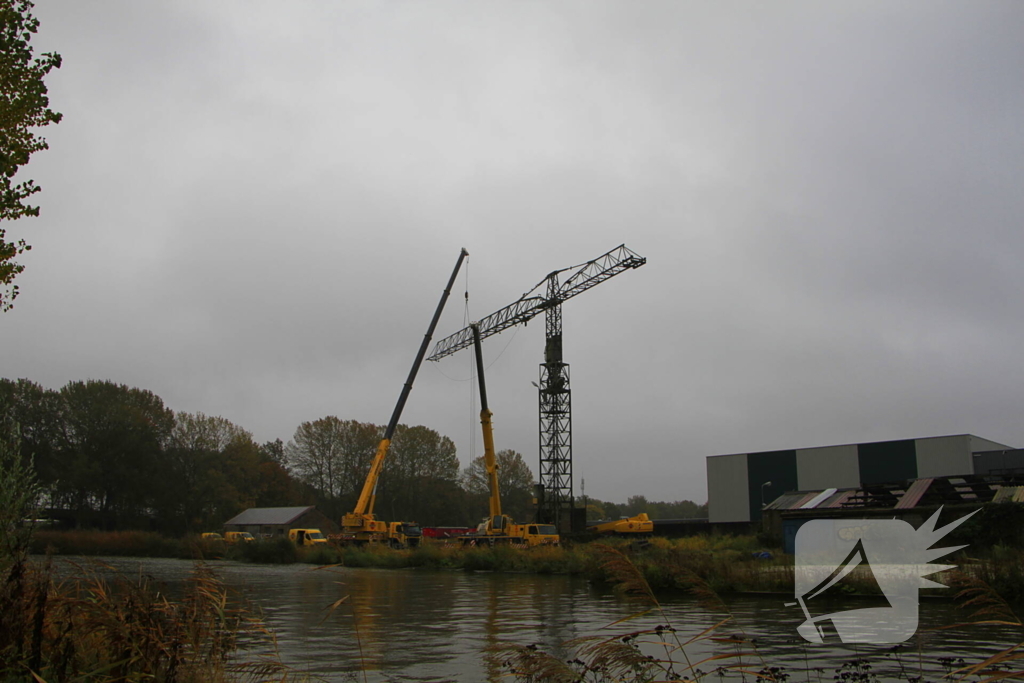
{"points": [[251, 210]]}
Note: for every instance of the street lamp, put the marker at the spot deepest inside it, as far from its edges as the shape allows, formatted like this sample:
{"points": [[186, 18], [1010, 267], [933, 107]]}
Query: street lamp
{"points": [[767, 483]]}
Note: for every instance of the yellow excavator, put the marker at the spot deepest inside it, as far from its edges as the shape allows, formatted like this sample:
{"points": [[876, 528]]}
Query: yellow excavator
{"points": [[361, 526], [637, 526], [497, 527]]}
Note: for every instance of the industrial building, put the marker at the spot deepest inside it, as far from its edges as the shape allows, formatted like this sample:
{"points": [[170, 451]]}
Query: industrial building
{"points": [[741, 485], [912, 501]]}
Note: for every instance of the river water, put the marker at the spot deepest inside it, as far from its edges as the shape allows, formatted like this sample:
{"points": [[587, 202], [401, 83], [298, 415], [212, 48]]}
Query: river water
{"points": [[422, 625]]}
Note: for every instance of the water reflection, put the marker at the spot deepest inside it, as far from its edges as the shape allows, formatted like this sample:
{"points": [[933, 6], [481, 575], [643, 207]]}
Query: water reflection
{"points": [[418, 625]]}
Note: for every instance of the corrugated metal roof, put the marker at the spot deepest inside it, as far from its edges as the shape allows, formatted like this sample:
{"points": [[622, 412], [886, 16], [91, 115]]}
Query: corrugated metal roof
{"points": [[787, 501], [913, 494], [838, 499], [806, 500], [818, 499], [268, 516]]}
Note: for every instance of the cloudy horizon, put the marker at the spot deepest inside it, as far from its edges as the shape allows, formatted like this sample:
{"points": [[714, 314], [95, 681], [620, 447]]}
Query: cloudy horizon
{"points": [[251, 210]]}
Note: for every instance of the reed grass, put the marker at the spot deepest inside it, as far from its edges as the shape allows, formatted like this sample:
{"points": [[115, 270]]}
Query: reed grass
{"points": [[628, 656], [662, 653], [102, 627], [116, 543]]}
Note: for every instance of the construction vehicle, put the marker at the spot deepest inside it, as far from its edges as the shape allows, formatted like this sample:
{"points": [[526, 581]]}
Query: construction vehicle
{"points": [[306, 537], [361, 526], [404, 534], [638, 526], [497, 527], [233, 537], [554, 491]]}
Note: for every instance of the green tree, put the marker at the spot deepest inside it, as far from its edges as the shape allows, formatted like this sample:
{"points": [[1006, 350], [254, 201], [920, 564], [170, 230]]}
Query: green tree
{"points": [[112, 446], [19, 493], [333, 456], [274, 451], [24, 106], [200, 489], [595, 511], [38, 414], [515, 483], [419, 480]]}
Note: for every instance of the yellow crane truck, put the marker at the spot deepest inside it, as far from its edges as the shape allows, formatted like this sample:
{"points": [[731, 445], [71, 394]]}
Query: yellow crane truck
{"points": [[497, 527], [361, 526]]}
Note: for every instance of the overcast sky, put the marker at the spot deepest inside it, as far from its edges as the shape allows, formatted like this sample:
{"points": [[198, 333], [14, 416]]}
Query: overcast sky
{"points": [[251, 209]]}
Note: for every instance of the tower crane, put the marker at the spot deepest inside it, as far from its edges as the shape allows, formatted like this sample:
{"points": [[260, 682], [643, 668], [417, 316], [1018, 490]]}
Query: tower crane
{"points": [[555, 490]]}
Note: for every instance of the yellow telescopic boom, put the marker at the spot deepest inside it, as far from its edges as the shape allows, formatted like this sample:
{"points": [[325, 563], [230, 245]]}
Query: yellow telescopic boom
{"points": [[361, 522], [490, 462]]}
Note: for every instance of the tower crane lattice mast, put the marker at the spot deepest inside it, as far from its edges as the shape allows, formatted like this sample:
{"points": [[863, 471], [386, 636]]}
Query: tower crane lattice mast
{"points": [[554, 394]]}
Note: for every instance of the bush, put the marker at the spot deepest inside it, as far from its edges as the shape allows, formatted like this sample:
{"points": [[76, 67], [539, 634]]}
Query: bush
{"points": [[435, 556], [320, 554], [275, 551], [120, 543]]}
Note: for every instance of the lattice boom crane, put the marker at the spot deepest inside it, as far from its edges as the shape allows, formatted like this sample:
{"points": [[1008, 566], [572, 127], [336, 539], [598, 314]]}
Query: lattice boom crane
{"points": [[554, 396]]}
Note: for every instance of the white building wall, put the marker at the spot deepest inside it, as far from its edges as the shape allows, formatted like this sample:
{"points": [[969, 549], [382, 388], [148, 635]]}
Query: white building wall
{"points": [[944, 456], [728, 491], [827, 467]]}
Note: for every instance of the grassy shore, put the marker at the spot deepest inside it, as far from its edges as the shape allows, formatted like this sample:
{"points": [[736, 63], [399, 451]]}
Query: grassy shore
{"points": [[727, 564]]}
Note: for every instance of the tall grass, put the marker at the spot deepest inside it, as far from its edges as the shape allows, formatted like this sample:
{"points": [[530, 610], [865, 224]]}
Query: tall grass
{"points": [[119, 544], [91, 628], [94, 628]]}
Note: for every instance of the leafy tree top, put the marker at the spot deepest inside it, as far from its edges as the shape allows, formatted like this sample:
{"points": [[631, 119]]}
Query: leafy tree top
{"points": [[24, 106]]}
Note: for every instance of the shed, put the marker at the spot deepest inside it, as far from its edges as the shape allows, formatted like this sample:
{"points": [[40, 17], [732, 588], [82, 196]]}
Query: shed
{"points": [[274, 522]]}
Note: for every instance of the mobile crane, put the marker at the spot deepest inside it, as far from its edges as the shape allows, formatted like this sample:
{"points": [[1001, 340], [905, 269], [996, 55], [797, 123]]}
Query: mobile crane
{"points": [[361, 525], [497, 527]]}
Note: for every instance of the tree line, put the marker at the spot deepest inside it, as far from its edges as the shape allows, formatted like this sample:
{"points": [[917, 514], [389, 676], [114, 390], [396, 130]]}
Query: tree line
{"points": [[634, 505], [112, 456], [115, 457]]}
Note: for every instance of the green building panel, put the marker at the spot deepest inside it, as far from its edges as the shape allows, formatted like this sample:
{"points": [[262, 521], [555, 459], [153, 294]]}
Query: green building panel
{"points": [[777, 467], [887, 461]]}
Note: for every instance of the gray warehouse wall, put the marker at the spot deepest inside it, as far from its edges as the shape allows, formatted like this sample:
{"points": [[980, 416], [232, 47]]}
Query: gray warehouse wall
{"points": [[944, 456], [728, 498], [827, 467], [999, 462]]}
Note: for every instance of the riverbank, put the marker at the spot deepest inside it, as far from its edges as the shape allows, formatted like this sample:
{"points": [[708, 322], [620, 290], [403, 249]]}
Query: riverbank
{"points": [[726, 563], [722, 564]]}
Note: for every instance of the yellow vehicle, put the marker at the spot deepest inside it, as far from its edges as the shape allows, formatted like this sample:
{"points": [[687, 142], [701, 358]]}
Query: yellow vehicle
{"points": [[212, 536], [404, 534], [490, 532], [638, 526], [361, 526], [497, 527], [233, 537], [301, 537]]}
